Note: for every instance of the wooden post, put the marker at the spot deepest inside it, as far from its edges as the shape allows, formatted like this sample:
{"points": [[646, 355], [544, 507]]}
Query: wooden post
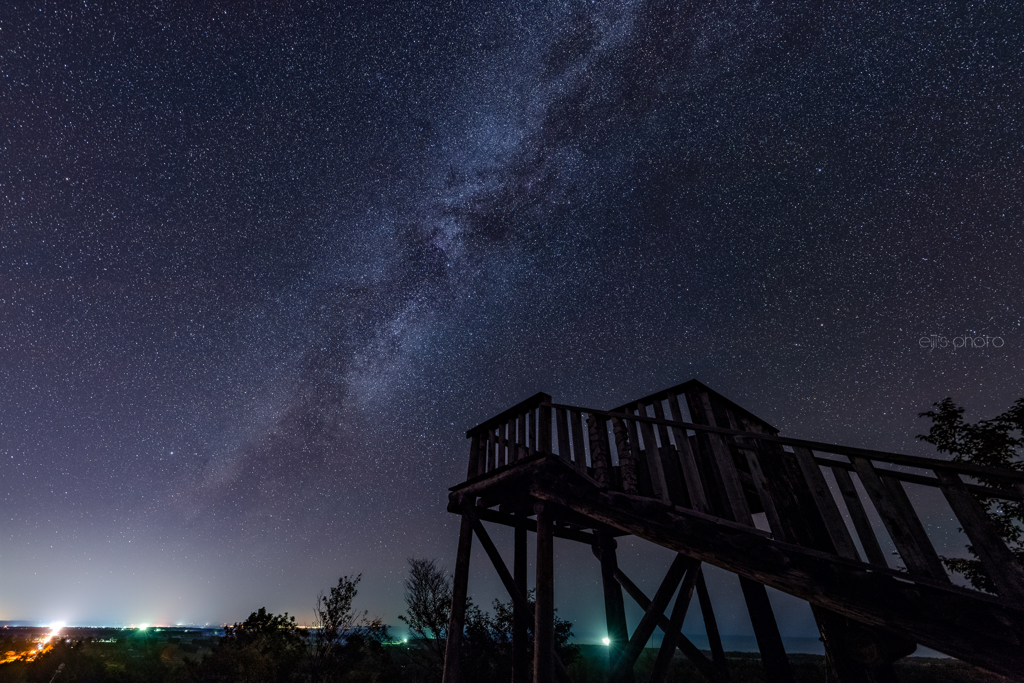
{"points": [[475, 446], [627, 457], [457, 619], [563, 435], [522, 442], [578, 448], [520, 616], [544, 429], [614, 607], [544, 612], [599, 457]]}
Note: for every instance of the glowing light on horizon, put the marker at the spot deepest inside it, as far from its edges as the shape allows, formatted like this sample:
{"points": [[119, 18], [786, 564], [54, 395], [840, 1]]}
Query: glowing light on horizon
{"points": [[43, 645], [606, 641]]}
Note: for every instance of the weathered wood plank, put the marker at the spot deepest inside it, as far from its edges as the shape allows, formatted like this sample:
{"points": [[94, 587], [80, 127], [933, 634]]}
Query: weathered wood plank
{"points": [[999, 562], [544, 611], [859, 517], [601, 461], [627, 456], [531, 423], [711, 671], [544, 429], [655, 464], [457, 615], [502, 444], [675, 624], [687, 460], [474, 457], [614, 607], [900, 520], [763, 491], [513, 440], [956, 621], [707, 613], [579, 449], [521, 616], [766, 631], [826, 504], [517, 595], [701, 410], [563, 434], [649, 621]]}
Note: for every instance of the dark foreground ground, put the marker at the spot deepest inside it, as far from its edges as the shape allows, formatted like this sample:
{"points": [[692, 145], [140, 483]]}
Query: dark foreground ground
{"points": [[126, 656], [745, 667]]}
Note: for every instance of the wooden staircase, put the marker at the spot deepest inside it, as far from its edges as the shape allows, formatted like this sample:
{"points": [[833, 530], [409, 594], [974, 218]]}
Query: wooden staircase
{"points": [[688, 469]]}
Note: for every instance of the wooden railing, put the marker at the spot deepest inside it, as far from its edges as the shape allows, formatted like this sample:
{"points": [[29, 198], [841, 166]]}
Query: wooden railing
{"points": [[693, 449]]}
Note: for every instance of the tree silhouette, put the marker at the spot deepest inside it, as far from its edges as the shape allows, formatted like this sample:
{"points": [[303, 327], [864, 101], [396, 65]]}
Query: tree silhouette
{"points": [[993, 443]]}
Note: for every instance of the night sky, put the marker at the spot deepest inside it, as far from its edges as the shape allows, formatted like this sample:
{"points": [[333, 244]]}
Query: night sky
{"points": [[263, 263]]}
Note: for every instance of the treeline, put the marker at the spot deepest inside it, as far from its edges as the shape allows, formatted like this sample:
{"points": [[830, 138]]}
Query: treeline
{"points": [[341, 645]]}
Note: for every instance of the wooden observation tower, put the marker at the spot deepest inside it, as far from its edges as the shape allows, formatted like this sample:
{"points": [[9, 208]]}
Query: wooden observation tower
{"points": [[688, 469]]}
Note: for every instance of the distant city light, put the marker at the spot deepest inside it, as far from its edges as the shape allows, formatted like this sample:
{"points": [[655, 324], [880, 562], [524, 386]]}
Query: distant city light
{"points": [[143, 627], [606, 641]]}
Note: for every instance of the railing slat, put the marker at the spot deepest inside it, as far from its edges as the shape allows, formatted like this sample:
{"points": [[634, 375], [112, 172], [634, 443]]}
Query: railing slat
{"points": [[531, 421], [599, 457], [900, 520], [495, 451], [522, 445], [502, 443], [563, 435], [627, 456], [826, 504], [859, 517], [687, 461], [763, 491], [579, 450], [999, 562], [544, 429], [669, 462], [512, 448], [654, 462], [701, 412], [474, 457]]}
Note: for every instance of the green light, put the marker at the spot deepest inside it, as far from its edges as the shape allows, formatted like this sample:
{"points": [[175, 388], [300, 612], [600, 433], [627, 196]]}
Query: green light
{"points": [[606, 641]]}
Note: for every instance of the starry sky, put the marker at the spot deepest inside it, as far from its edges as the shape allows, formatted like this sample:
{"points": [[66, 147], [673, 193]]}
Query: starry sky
{"points": [[263, 263]]}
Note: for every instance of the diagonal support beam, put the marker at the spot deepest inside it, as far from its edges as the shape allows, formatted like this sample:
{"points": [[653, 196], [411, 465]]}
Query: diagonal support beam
{"points": [[692, 652], [680, 565], [711, 624], [675, 622], [518, 598]]}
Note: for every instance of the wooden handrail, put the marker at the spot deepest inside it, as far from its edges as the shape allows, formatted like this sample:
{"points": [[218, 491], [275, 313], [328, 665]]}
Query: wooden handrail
{"points": [[529, 404], [883, 456]]}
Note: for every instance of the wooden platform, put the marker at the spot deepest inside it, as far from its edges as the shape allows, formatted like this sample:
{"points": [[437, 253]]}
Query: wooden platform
{"points": [[694, 472]]}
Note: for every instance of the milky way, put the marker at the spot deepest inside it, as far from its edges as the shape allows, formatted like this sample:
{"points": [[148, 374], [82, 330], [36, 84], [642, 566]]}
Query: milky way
{"points": [[262, 266]]}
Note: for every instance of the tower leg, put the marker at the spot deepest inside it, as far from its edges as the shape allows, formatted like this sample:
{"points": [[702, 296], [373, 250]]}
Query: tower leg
{"points": [[457, 619], [544, 618], [614, 608], [520, 617]]}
